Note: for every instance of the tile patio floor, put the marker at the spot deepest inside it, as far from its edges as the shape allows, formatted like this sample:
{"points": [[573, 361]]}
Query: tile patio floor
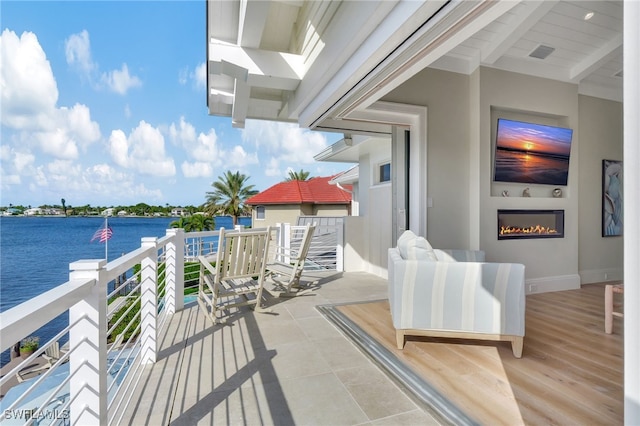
{"points": [[289, 367]]}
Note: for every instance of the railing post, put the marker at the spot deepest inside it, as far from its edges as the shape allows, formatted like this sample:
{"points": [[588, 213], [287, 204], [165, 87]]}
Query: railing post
{"points": [[174, 271], [339, 245], [149, 302], [286, 241], [88, 347]]}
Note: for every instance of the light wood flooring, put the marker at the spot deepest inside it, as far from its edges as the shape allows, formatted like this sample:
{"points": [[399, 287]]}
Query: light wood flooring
{"points": [[571, 372]]}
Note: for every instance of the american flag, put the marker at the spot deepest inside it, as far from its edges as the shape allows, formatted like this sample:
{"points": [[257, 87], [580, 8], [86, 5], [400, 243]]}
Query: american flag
{"points": [[103, 234]]}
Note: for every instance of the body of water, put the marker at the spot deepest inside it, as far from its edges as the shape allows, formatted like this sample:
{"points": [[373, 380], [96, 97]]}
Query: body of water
{"points": [[525, 167], [35, 253]]}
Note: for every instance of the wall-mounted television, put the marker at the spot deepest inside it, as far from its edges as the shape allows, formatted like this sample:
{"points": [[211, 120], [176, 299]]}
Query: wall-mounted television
{"points": [[531, 153]]}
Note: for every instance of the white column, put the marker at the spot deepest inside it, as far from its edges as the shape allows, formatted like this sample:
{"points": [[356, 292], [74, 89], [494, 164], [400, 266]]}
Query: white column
{"points": [[631, 213], [286, 241], [88, 347], [149, 302], [340, 245], [174, 271]]}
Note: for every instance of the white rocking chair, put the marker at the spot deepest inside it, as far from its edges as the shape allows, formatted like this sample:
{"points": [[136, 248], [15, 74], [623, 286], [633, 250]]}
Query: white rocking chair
{"points": [[286, 269], [237, 271]]}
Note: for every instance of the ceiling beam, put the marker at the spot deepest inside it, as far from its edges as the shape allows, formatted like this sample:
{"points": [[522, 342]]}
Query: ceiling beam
{"points": [[240, 103], [273, 70], [598, 58], [252, 20], [517, 27]]}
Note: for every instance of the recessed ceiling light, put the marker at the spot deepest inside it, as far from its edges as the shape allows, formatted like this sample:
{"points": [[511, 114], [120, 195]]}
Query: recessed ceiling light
{"points": [[588, 16]]}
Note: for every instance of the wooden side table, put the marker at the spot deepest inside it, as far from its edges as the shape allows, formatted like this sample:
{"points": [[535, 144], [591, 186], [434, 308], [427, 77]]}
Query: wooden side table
{"points": [[609, 306]]}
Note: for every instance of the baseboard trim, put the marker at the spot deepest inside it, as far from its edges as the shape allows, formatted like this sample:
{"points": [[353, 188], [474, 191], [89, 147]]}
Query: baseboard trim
{"points": [[590, 276], [554, 283]]}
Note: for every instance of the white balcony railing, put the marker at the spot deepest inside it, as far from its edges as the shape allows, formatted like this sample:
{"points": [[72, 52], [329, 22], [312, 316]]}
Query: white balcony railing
{"points": [[112, 331]]}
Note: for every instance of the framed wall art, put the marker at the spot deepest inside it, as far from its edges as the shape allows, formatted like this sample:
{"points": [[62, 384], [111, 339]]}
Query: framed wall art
{"points": [[612, 202]]}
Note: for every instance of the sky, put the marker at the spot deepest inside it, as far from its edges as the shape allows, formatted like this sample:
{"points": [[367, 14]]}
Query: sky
{"points": [[104, 103], [534, 137]]}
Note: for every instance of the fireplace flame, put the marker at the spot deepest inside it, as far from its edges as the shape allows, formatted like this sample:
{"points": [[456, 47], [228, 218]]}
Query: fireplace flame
{"points": [[536, 229]]}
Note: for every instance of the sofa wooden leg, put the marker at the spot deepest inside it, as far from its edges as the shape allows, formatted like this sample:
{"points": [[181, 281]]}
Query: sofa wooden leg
{"points": [[400, 339], [516, 346]]}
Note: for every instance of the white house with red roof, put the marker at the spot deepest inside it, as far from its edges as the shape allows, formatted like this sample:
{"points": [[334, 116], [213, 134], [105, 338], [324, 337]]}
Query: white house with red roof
{"points": [[284, 202]]}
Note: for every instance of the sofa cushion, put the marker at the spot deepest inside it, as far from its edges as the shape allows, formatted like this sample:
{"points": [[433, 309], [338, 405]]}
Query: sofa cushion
{"points": [[413, 247], [445, 256]]}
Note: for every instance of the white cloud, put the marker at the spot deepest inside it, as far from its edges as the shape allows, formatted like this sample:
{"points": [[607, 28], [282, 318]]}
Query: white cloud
{"points": [[238, 157], [205, 149], [14, 166], [143, 150], [29, 98], [23, 160], [8, 180], [77, 121], [184, 134], [120, 81], [200, 76], [273, 168], [29, 90], [183, 76], [5, 153], [286, 144], [78, 55], [196, 169], [78, 52], [119, 148], [75, 182]]}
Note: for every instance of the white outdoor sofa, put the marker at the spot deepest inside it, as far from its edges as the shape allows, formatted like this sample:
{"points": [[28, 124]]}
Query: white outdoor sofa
{"points": [[454, 294]]}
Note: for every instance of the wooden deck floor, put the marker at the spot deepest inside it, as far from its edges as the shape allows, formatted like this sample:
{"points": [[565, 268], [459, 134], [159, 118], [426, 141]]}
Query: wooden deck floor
{"points": [[571, 372]]}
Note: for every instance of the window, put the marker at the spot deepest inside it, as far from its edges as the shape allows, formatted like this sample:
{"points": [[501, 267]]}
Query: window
{"points": [[260, 212], [384, 173]]}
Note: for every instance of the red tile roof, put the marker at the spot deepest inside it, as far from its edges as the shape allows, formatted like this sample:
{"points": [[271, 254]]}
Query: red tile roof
{"points": [[313, 191]]}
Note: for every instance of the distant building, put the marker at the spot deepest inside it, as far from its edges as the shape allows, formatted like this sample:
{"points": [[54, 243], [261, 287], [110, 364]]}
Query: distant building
{"points": [[178, 211], [11, 211], [285, 201], [33, 212]]}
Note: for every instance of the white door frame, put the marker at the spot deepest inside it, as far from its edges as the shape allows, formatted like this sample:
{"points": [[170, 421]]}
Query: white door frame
{"points": [[401, 117]]}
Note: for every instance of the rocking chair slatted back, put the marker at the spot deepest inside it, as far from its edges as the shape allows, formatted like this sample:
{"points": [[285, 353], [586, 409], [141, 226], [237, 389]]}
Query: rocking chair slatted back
{"points": [[239, 270], [287, 275]]}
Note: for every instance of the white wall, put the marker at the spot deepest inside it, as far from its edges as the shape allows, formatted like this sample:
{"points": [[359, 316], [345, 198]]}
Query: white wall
{"points": [[446, 95], [601, 135], [551, 264], [461, 131], [369, 235]]}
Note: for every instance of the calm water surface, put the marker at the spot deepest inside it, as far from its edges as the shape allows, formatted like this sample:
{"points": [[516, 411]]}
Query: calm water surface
{"points": [[35, 253]]}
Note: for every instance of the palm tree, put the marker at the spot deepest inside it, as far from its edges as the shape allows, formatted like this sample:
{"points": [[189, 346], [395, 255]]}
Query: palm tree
{"points": [[201, 222], [301, 175], [64, 209], [231, 191], [183, 222]]}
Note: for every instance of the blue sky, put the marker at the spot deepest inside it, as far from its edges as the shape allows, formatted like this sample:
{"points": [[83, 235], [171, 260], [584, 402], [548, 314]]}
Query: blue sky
{"points": [[104, 103]]}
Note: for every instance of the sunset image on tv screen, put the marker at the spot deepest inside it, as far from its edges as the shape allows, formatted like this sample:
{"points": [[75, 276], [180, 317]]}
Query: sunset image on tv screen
{"points": [[532, 153]]}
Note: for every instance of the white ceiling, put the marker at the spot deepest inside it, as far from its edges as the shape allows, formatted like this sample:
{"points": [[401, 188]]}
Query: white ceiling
{"points": [[587, 52]]}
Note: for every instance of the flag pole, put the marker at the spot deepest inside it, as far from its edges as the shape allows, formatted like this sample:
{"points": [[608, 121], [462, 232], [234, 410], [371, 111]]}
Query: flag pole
{"points": [[106, 243]]}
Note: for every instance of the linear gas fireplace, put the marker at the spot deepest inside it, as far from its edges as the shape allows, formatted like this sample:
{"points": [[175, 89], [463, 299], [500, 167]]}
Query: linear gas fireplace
{"points": [[519, 224]]}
